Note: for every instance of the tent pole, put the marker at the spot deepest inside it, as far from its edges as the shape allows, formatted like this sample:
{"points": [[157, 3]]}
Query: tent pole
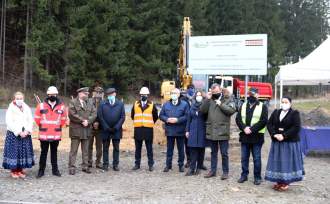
{"points": [[246, 87], [281, 89], [275, 100]]}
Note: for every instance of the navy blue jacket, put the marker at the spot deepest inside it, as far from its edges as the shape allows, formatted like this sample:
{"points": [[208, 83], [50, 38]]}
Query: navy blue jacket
{"points": [[111, 116], [180, 112], [196, 127]]}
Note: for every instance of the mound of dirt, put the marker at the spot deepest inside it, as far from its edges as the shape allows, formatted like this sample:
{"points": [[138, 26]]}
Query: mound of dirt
{"points": [[316, 117]]}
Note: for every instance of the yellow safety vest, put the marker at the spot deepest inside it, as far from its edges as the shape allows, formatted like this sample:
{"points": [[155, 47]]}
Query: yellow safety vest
{"points": [[256, 115], [143, 119]]}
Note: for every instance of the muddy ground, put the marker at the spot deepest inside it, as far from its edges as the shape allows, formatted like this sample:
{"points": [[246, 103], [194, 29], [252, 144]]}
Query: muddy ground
{"points": [[143, 186]]}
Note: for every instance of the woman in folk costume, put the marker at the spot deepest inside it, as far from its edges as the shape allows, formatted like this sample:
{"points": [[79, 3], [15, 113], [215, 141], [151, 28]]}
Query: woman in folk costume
{"points": [[285, 161], [18, 150]]}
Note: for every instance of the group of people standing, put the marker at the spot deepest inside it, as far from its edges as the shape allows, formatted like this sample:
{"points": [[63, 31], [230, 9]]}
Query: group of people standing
{"points": [[193, 122]]}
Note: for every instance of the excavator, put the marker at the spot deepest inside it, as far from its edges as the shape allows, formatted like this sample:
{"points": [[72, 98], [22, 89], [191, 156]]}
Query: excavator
{"points": [[184, 79]]}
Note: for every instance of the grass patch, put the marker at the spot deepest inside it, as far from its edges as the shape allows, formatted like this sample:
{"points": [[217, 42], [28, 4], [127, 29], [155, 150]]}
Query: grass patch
{"points": [[310, 105]]}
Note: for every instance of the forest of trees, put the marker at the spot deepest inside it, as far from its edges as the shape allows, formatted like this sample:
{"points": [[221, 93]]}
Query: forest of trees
{"points": [[129, 43]]}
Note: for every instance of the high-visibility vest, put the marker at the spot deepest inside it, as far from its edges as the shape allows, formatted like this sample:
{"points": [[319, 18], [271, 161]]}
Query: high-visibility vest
{"points": [[255, 117], [50, 121], [143, 118]]}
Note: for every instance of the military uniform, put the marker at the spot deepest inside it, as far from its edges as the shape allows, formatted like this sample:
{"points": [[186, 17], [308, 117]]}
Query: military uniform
{"points": [[96, 132], [79, 111]]}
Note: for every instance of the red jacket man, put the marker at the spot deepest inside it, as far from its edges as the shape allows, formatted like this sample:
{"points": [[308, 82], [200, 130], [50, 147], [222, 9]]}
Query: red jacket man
{"points": [[50, 116]]}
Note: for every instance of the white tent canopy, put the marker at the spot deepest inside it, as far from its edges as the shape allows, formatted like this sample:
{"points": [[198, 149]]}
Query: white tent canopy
{"points": [[312, 70]]}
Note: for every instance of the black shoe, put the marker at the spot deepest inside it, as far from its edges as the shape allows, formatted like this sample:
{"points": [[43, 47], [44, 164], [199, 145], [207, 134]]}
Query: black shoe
{"points": [[87, 171], [224, 176], [181, 169], [167, 169], [57, 173], [257, 181], [72, 171], [151, 168], [204, 168], [90, 166], [41, 173], [115, 168], [135, 168], [190, 173], [242, 179], [210, 174], [105, 168]]}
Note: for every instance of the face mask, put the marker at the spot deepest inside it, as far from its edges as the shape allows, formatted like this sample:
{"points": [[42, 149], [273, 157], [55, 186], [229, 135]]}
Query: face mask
{"points": [[52, 98], [111, 98], [252, 99], [174, 97], [216, 95], [190, 92], [199, 99], [144, 98], [285, 106], [19, 103]]}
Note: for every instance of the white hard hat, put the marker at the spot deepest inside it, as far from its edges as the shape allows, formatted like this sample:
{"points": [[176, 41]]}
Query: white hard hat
{"points": [[52, 90], [144, 91]]}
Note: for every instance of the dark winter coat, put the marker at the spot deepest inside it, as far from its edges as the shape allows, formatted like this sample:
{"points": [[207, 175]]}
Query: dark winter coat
{"points": [[255, 137], [179, 111], [218, 118], [196, 126], [289, 127], [112, 118]]}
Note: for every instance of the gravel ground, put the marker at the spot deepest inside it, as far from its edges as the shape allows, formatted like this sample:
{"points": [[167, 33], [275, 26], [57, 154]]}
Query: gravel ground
{"points": [[143, 186]]}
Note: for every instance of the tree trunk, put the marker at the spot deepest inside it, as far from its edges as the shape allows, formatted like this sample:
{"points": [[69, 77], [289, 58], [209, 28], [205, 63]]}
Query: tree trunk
{"points": [[4, 42], [47, 63], [26, 47], [1, 32]]}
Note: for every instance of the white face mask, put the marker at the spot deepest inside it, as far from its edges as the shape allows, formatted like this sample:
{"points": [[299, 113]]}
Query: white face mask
{"points": [[285, 106], [199, 99], [19, 102], [174, 97]]}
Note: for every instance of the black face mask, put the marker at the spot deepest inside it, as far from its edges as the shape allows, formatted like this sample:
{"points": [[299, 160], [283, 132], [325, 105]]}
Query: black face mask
{"points": [[252, 99], [216, 96], [144, 98], [52, 98]]}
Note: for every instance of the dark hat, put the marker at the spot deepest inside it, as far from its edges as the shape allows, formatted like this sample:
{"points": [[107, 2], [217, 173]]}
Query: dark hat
{"points": [[253, 90], [84, 89], [98, 89], [110, 90]]}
